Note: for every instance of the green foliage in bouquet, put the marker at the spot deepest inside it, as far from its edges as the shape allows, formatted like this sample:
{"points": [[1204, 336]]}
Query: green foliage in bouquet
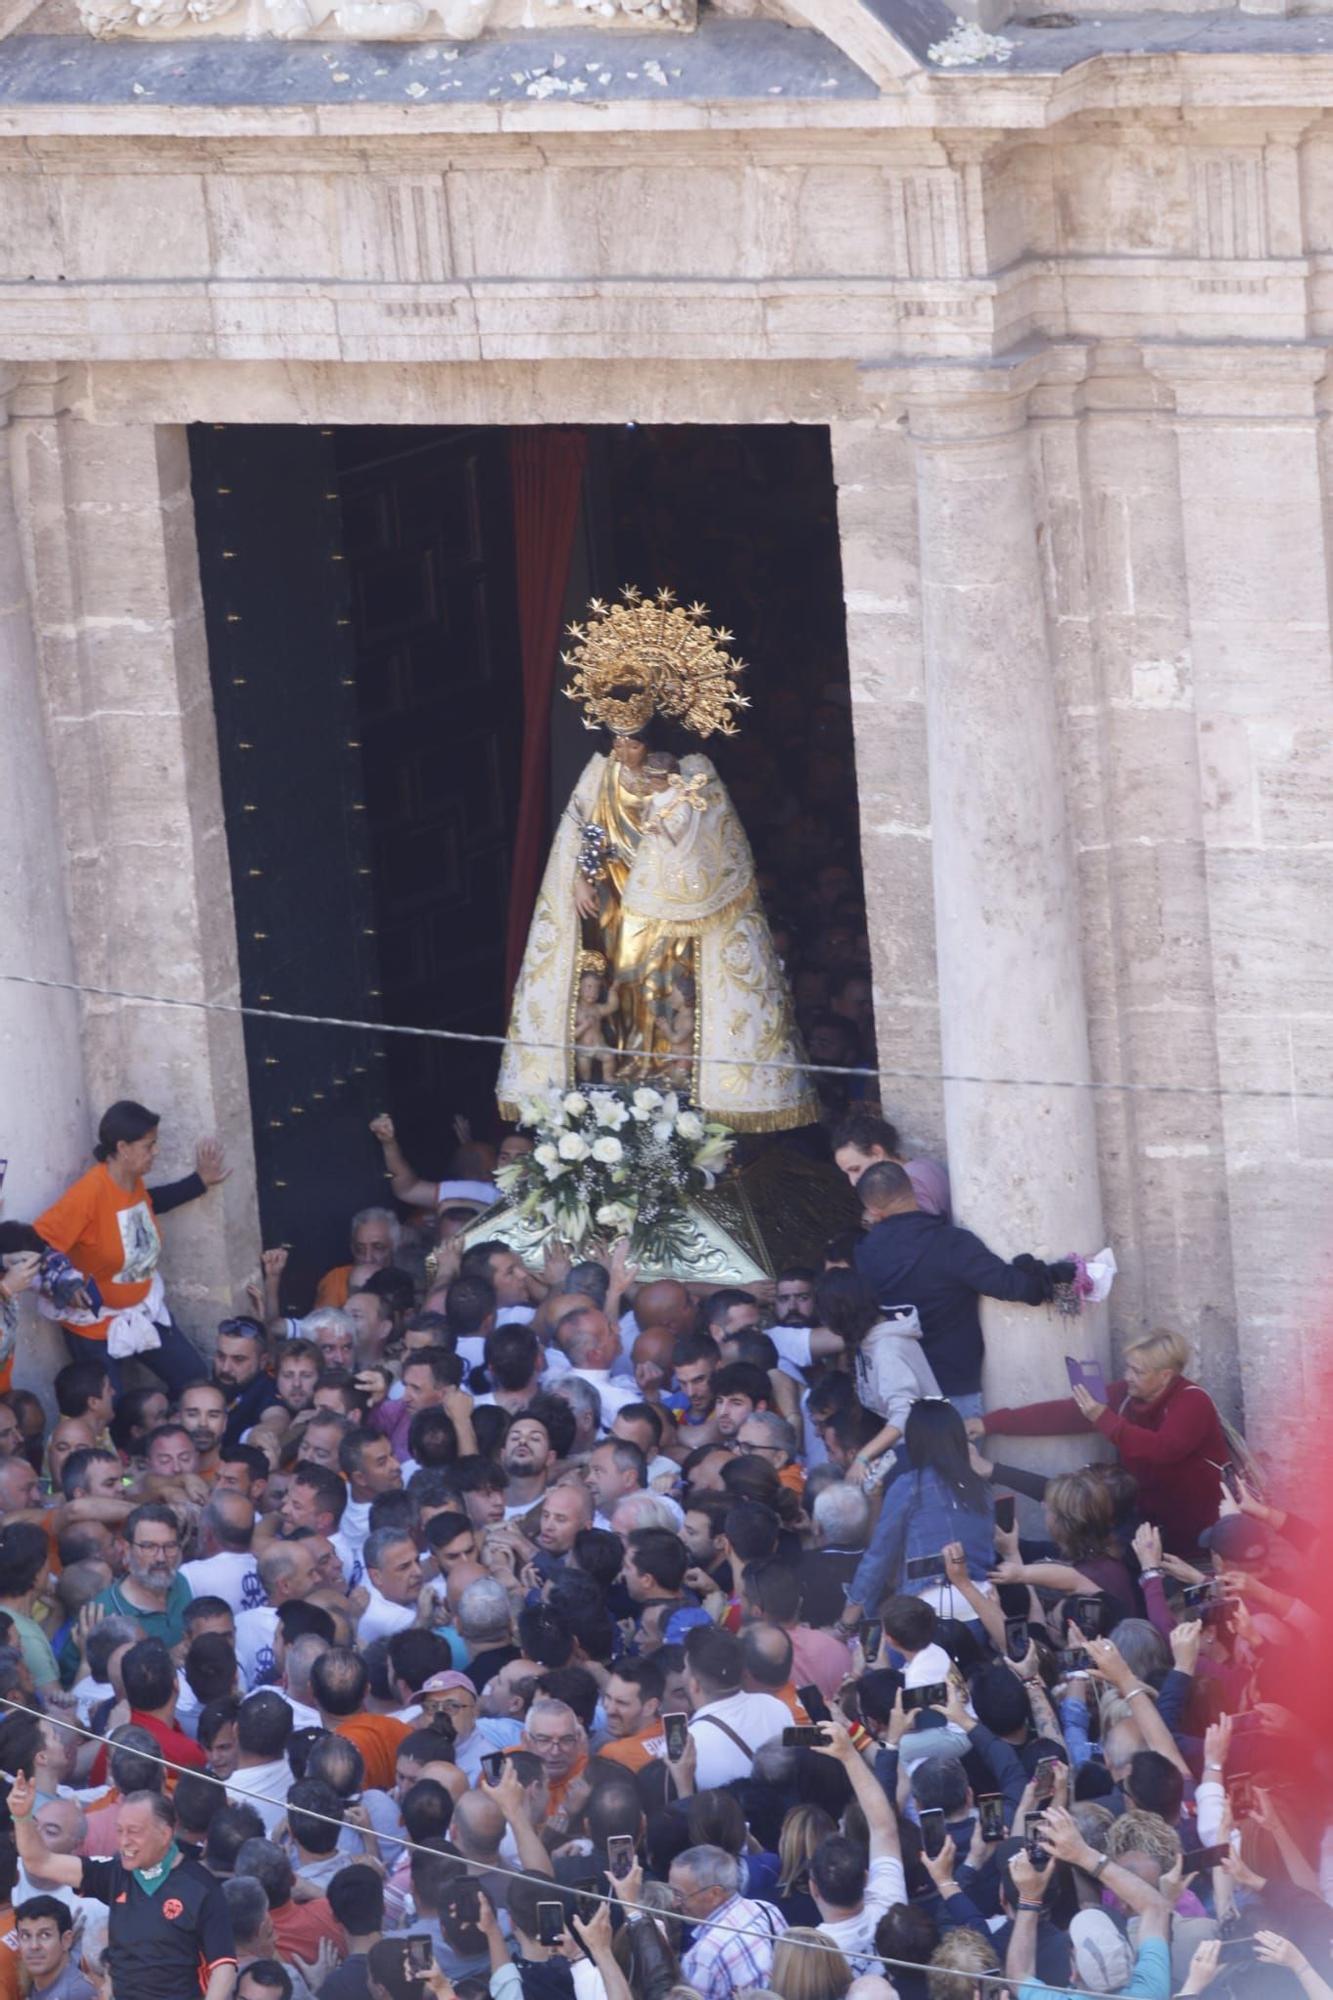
{"points": [[615, 1160]]}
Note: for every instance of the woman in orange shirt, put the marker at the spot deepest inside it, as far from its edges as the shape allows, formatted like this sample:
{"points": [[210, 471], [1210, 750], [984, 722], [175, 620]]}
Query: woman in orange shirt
{"points": [[106, 1225]]}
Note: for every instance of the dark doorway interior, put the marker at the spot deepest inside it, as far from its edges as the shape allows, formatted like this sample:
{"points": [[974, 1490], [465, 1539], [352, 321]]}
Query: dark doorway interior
{"points": [[359, 595]]}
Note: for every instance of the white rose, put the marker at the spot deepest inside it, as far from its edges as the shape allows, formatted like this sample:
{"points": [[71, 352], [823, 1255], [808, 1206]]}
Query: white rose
{"points": [[575, 1103], [646, 1100], [690, 1125], [608, 1150], [572, 1147], [664, 1130], [609, 1110], [614, 1215]]}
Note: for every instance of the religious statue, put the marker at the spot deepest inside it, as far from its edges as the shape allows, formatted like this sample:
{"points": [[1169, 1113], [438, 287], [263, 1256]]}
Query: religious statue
{"points": [[650, 886]]}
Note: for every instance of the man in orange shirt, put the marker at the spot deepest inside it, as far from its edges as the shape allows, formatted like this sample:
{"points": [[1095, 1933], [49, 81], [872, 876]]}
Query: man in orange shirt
{"points": [[767, 1435], [339, 1683], [766, 1667], [632, 1705], [559, 1741], [376, 1234]]}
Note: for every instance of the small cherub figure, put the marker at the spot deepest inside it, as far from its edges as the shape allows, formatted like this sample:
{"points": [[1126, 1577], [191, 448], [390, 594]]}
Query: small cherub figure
{"points": [[590, 1018], [676, 1015]]}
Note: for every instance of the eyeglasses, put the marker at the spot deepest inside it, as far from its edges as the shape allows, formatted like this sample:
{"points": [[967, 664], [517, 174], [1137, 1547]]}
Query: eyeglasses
{"points": [[154, 1548], [763, 1450], [552, 1742]]}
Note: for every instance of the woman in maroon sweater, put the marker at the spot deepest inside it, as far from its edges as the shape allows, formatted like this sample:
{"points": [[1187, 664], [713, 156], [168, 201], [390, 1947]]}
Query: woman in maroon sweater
{"points": [[1165, 1428]]}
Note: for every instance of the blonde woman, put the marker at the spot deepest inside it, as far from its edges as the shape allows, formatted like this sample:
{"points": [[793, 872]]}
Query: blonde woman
{"points": [[802, 1830], [807, 1967], [1164, 1427]]}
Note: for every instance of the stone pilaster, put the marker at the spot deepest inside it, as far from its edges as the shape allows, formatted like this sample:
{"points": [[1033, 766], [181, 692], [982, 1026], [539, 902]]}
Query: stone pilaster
{"points": [[1023, 1156], [41, 1061], [108, 522], [1254, 511], [877, 526]]}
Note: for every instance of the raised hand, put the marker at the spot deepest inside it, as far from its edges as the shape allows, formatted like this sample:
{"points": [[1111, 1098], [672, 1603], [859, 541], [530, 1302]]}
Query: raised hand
{"points": [[1185, 1639], [211, 1161], [274, 1262], [1147, 1545], [382, 1128], [1088, 1405]]}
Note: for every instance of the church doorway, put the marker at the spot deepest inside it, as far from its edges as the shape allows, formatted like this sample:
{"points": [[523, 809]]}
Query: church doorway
{"points": [[359, 590]]}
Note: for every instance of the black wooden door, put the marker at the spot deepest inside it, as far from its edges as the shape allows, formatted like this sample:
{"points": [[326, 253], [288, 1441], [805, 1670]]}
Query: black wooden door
{"points": [[284, 683], [428, 536]]}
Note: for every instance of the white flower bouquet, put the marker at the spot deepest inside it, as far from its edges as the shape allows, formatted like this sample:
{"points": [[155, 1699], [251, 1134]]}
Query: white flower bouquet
{"points": [[615, 1160]]}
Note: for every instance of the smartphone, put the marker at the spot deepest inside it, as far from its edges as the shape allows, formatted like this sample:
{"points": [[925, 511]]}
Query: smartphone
{"points": [[1236, 1951], [918, 1567], [4, 1169], [1088, 1615], [493, 1764], [813, 1703], [1016, 1639], [1036, 1853], [1241, 1794], [990, 1811], [933, 1696], [620, 1855], [1071, 1660], [1005, 1513], [1043, 1780], [803, 1736], [1197, 1596], [677, 1728], [932, 1830], [1196, 1859], [1087, 1375], [550, 1923], [872, 1637], [418, 1959], [1229, 1476]]}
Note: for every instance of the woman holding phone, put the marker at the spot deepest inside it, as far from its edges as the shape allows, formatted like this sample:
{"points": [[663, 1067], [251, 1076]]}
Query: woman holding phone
{"points": [[937, 1500], [1165, 1428]]}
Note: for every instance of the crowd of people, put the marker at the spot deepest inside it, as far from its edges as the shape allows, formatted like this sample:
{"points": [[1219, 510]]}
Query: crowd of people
{"points": [[549, 1633]]}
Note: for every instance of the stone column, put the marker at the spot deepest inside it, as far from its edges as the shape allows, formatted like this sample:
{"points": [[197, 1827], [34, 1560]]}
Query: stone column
{"points": [[109, 522], [1256, 482], [41, 1060], [1023, 1156]]}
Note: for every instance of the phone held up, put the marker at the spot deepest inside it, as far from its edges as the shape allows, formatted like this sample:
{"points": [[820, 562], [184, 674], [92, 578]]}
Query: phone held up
{"points": [[676, 1728], [1006, 1513], [550, 1923], [990, 1811], [804, 1736], [932, 1830], [619, 1855], [814, 1704], [418, 1959]]}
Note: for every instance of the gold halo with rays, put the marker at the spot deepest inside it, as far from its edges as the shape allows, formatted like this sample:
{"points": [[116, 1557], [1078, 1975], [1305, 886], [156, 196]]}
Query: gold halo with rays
{"points": [[651, 656]]}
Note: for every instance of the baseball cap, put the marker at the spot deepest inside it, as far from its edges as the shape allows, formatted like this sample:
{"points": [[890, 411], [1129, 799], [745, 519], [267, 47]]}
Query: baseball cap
{"points": [[441, 1684], [1237, 1539], [1102, 1956]]}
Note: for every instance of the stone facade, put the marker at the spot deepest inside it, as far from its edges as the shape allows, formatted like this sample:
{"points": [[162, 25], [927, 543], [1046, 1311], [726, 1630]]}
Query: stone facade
{"points": [[1067, 325]]}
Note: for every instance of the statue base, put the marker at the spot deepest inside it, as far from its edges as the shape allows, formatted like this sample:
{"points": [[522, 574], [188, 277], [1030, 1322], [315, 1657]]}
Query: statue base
{"points": [[717, 1239]]}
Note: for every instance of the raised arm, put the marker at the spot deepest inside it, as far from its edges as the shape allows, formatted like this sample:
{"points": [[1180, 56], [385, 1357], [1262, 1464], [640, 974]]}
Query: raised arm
{"points": [[404, 1180], [508, 1795], [65, 1871], [1110, 1662]]}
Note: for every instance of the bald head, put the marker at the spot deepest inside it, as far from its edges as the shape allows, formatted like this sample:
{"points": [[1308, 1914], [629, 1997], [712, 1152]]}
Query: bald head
{"points": [[229, 1521], [766, 1656], [460, 1576], [664, 1303], [477, 1826], [586, 1339]]}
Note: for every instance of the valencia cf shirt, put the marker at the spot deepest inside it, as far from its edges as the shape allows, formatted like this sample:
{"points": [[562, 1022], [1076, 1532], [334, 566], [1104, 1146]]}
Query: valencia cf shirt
{"points": [[162, 1947]]}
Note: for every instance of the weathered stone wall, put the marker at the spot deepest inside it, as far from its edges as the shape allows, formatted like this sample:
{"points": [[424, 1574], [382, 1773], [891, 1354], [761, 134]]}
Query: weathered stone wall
{"points": [[1075, 375]]}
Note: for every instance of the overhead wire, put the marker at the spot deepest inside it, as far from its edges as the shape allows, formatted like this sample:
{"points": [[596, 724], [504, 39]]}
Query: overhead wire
{"points": [[866, 1074]]}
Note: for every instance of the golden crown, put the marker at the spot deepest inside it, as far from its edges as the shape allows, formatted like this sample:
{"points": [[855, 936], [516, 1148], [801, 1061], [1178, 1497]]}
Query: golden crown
{"points": [[652, 656]]}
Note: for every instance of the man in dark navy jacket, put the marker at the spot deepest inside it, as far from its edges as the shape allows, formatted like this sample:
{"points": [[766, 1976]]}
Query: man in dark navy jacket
{"points": [[913, 1259]]}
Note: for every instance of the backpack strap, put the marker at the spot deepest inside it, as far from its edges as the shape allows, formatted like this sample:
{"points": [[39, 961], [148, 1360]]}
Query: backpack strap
{"points": [[727, 1730]]}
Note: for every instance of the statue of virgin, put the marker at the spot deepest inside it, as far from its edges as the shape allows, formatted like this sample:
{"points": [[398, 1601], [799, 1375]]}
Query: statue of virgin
{"points": [[649, 958]]}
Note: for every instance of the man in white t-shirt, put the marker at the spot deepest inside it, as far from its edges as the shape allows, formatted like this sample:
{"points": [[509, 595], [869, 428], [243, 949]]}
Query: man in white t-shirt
{"points": [[287, 1572], [591, 1344], [225, 1567], [727, 1726], [852, 1897], [367, 1463], [393, 1575]]}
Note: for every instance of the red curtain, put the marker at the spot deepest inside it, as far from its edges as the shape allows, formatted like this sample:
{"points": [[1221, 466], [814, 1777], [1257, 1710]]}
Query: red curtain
{"points": [[546, 467]]}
